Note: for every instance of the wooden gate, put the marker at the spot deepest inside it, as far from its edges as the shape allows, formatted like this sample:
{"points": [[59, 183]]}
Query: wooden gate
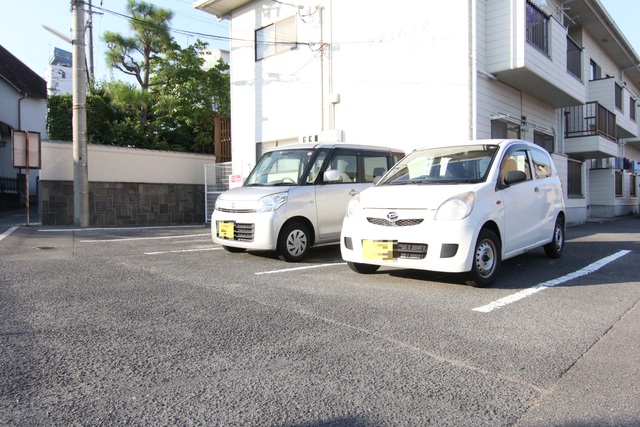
{"points": [[222, 139]]}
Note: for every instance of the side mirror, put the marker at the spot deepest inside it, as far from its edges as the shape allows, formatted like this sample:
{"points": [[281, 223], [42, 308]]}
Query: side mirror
{"points": [[331, 175], [513, 177]]}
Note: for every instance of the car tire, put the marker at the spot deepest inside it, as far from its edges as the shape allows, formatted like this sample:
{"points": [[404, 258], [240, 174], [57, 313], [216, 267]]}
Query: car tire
{"points": [[293, 242], [486, 260], [555, 248], [233, 249], [363, 268]]}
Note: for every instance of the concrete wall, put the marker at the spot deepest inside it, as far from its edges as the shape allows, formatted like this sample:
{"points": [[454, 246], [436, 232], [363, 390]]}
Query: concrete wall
{"points": [[126, 186]]}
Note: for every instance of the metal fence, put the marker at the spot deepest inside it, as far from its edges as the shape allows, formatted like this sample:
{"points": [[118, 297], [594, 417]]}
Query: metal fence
{"points": [[216, 180], [8, 185]]}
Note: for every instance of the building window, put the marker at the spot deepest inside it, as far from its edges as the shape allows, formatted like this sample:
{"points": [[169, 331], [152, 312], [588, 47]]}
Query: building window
{"points": [[537, 27], [618, 183], [502, 129], [276, 38], [632, 181], [595, 72], [618, 94], [574, 178], [632, 108], [574, 58], [543, 140]]}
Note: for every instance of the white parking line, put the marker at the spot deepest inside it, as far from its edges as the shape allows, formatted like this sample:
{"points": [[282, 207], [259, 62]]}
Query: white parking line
{"points": [[6, 233], [129, 239], [286, 270], [549, 284], [180, 251]]}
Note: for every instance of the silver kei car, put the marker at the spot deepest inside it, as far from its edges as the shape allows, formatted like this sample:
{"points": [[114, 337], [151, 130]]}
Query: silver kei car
{"points": [[296, 196]]}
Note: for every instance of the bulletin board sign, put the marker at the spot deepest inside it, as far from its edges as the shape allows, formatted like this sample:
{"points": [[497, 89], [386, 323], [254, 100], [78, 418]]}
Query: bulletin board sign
{"points": [[26, 146]]}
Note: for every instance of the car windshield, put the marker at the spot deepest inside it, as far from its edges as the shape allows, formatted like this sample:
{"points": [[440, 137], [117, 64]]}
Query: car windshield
{"points": [[446, 165], [281, 167]]}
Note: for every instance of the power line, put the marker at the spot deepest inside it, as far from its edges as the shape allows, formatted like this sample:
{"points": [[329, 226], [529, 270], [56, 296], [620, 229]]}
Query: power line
{"points": [[173, 30]]}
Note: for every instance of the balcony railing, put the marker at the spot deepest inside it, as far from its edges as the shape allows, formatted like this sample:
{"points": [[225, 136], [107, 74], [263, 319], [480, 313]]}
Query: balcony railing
{"points": [[537, 27], [590, 119]]}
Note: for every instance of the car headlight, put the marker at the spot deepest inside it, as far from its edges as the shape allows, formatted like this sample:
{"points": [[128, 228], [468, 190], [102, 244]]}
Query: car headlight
{"points": [[458, 207], [271, 203], [353, 208]]}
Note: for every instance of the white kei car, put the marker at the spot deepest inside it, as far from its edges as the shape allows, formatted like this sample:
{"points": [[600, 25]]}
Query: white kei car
{"points": [[458, 209]]}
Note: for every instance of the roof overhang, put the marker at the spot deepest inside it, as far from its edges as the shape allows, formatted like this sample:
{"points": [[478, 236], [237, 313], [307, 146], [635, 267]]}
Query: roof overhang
{"points": [[220, 8]]}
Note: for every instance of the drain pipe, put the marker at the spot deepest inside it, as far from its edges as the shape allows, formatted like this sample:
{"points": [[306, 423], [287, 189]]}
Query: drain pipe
{"points": [[20, 110]]}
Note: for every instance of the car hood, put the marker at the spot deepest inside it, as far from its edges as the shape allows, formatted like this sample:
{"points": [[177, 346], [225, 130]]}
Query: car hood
{"points": [[422, 196], [249, 194]]}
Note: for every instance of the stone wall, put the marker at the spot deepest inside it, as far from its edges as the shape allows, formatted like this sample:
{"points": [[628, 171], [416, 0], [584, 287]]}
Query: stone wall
{"points": [[125, 203]]}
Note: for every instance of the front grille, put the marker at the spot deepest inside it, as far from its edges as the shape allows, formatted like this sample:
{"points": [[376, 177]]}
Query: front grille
{"points": [[236, 210], [412, 250], [242, 232], [399, 223]]}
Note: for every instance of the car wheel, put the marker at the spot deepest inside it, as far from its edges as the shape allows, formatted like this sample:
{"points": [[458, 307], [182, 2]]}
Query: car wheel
{"points": [[554, 248], [363, 268], [486, 260], [233, 249], [293, 243]]}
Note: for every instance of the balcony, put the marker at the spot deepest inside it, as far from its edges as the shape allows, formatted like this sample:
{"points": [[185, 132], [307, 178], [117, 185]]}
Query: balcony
{"points": [[591, 132], [615, 97], [531, 52]]}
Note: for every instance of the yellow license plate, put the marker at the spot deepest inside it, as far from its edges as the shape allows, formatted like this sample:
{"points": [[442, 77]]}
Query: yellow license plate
{"points": [[225, 230], [378, 250]]}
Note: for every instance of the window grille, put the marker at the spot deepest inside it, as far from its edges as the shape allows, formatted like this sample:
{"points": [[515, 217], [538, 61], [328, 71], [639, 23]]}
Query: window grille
{"points": [[574, 58], [537, 27]]}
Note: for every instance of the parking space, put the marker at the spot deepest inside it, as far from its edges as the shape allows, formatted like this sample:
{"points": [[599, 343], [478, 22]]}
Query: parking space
{"points": [[163, 313]]}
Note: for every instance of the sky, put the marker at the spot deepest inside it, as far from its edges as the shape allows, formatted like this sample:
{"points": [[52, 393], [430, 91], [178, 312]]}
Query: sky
{"points": [[22, 33]]}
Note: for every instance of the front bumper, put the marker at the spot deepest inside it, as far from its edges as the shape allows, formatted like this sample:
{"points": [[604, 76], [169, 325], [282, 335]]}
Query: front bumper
{"points": [[252, 231], [413, 241]]}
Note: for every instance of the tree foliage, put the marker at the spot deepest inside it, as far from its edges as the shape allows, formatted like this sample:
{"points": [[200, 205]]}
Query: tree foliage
{"points": [[99, 118], [174, 103]]}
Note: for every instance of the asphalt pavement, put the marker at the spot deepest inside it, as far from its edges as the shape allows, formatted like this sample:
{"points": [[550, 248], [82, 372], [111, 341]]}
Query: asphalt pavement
{"points": [[13, 217], [158, 327]]}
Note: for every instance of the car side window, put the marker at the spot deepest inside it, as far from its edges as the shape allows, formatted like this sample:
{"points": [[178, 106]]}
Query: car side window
{"points": [[541, 164], [515, 161], [374, 166], [315, 168], [347, 165]]}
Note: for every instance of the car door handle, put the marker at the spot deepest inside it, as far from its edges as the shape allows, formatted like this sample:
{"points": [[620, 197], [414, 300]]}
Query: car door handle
{"points": [[353, 192]]}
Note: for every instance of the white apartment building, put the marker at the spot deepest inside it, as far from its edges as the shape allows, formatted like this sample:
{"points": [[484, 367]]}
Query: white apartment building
{"points": [[560, 74]]}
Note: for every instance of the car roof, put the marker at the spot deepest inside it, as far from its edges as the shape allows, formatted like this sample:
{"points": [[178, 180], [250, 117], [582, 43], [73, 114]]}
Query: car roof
{"points": [[454, 143], [329, 145]]}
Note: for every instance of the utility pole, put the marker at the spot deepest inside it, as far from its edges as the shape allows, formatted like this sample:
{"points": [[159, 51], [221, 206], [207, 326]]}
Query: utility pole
{"points": [[79, 121]]}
